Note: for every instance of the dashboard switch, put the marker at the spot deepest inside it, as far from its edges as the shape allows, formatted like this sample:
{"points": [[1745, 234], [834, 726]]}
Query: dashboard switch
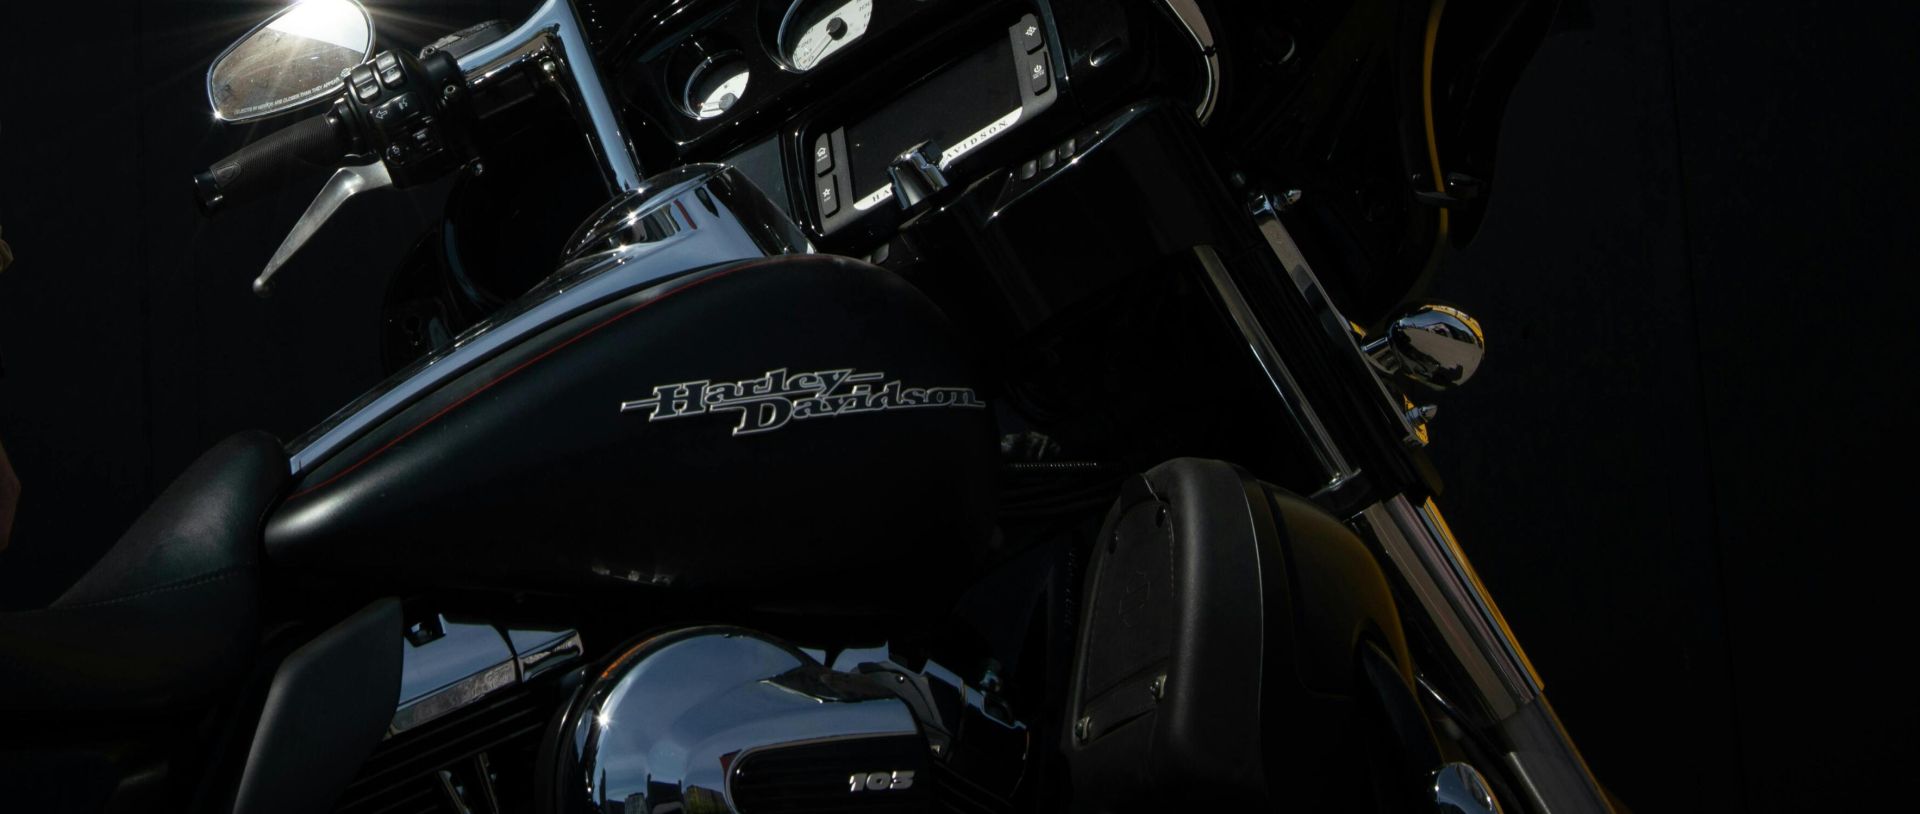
{"points": [[1031, 39], [822, 155], [1038, 73], [828, 194]]}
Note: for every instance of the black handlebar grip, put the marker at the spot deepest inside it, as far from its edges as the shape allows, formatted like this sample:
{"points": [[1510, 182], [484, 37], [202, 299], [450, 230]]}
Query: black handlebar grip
{"points": [[307, 147]]}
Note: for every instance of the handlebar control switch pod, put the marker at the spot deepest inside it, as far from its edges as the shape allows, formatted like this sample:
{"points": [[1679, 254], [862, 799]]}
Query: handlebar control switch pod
{"points": [[412, 113]]}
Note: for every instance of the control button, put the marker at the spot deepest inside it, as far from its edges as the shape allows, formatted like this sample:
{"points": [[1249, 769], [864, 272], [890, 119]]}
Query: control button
{"points": [[822, 155], [364, 86], [395, 110], [391, 73], [881, 254], [1047, 160], [1026, 170], [397, 153], [1030, 37], [828, 194], [1067, 148], [423, 138], [1038, 78]]}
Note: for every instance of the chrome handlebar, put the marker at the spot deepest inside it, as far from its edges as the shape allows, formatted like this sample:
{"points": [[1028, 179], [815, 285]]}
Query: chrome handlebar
{"points": [[554, 44]]}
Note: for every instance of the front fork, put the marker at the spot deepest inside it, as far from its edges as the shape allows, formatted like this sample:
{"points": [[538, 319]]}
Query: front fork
{"points": [[1483, 679]]}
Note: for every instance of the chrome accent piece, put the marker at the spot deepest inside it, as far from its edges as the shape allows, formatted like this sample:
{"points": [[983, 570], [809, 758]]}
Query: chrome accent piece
{"points": [[1266, 216], [1422, 550], [916, 176], [553, 43], [539, 652], [678, 200], [1263, 205], [1316, 434], [1436, 345], [1430, 562], [672, 720], [769, 402], [1418, 417], [949, 155], [1458, 788], [717, 215], [300, 97], [1189, 14], [447, 665], [1552, 773], [346, 182], [452, 698]]}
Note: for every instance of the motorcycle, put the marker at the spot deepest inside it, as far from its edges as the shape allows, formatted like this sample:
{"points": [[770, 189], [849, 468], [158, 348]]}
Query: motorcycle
{"points": [[940, 412]]}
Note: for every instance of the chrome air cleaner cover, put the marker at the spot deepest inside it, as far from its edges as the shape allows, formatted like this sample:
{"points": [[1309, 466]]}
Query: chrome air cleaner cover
{"points": [[717, 719]]}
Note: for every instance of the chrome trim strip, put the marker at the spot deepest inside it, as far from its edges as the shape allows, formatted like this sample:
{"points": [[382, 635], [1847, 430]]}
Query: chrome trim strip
{"points": [[563, 651], [1456, 604], [554, 41], [1268, 355], [485, 659], [452, 698], [1190, 16]]}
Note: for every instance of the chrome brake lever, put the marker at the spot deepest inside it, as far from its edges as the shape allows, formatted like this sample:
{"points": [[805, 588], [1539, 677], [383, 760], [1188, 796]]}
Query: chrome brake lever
{"points": [[346, 182]]}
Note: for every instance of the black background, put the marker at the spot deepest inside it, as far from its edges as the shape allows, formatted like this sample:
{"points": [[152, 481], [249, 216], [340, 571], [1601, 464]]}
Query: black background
{"points": [[1682, 471]]}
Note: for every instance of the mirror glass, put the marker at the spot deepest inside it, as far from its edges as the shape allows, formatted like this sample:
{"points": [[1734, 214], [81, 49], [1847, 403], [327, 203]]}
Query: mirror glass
{"points": [[291, 60]]}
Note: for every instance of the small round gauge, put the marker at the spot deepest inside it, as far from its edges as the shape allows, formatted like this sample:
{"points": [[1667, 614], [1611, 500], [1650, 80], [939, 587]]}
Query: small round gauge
{"points": [[716, 85], [814, 29]]}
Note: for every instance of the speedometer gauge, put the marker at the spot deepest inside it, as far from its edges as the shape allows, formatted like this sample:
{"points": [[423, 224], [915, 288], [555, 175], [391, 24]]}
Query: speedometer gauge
{"points": [[814, 29]]}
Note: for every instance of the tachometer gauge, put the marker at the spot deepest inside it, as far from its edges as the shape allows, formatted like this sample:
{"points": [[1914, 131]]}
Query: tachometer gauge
{"points": [[814, 29], [716, 85]]}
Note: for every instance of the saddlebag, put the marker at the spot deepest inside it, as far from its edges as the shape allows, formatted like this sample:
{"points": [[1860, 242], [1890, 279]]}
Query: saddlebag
{"points": [[1218, 658]]}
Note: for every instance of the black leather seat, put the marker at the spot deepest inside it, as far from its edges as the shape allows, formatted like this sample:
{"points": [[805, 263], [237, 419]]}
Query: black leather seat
{"points": [[169, 613]]}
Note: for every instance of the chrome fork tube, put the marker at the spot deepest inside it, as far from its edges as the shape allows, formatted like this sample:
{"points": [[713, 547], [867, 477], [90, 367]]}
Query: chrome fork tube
{"points": [[552, 45], [1458, 611], [1505, 698]]}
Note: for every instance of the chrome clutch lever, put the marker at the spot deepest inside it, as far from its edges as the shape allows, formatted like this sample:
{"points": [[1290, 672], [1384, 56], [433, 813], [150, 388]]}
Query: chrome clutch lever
{"points": [[346, 182]]}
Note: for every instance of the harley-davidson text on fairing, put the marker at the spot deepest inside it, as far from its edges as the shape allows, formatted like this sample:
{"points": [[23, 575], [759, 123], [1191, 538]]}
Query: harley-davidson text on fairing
{"points": [[769, 402]]}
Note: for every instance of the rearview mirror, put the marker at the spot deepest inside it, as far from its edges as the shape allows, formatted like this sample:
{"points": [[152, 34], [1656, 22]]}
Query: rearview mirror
{"points": [[293, 59]]}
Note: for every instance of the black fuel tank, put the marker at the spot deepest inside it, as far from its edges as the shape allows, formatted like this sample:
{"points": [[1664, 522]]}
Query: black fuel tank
{"points": [[751, 428]]}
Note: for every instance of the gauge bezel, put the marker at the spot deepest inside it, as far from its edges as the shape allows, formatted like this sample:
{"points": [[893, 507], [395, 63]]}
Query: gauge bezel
{"points": [[782, 53], [708, 63]]}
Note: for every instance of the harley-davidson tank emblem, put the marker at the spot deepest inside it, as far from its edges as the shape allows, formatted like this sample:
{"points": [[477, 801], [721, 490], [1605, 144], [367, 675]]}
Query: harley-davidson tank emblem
{"points": [[773, 400]]}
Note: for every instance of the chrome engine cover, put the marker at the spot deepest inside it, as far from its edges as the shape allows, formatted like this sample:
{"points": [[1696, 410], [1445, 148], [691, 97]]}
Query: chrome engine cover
{"points": [[725, 719]]}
